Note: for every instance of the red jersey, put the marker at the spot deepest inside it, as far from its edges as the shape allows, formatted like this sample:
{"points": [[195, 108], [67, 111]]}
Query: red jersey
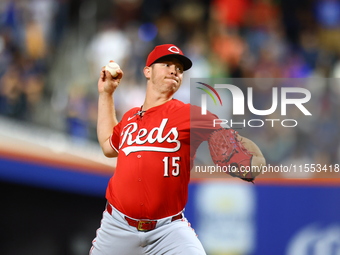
{"points": [[154, 160]]}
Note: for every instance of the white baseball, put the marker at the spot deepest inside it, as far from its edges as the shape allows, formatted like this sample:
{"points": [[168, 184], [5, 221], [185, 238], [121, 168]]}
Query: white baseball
{"points": [[112, 67]]}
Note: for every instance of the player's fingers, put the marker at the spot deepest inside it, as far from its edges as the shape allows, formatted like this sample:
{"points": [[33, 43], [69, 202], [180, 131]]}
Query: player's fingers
{"points": [[120, 74], [102, 75], [108, 74]]}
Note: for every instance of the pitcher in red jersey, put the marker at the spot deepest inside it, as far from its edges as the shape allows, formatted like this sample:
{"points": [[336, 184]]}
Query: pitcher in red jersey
{"points": [[149, 189]]}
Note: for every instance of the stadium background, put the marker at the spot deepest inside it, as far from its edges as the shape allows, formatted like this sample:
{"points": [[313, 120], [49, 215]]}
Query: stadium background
{"points": [[52, 173]]}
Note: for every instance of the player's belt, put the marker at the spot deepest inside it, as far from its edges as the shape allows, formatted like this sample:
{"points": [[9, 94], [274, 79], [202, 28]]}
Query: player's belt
{"points": [[143, 225]]}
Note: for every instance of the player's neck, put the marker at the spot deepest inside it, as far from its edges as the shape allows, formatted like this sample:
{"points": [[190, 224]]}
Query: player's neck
{"points": [[153, 100]]}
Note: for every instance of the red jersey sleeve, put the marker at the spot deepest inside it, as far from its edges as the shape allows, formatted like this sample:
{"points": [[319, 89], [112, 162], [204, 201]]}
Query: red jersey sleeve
{"points": [[201, 126]]}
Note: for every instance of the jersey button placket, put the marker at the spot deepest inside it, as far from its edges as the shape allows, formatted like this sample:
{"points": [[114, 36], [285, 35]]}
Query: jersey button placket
{"points": [[140, 180]]}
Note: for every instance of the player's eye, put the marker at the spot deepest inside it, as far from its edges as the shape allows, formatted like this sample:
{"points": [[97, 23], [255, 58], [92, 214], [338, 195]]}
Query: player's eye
{"points": [[178, 68]]}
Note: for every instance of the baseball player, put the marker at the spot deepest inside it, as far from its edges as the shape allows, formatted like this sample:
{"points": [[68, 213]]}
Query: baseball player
{"points": [[148, 191]]}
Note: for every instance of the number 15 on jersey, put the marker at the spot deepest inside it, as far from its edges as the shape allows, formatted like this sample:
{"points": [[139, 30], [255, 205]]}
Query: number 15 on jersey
{"points": [[172, 164]]}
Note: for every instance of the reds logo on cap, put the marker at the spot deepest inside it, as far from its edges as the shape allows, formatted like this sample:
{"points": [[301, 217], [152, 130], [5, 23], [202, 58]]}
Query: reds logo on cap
{"points": [[174, 49], [164, 50]]}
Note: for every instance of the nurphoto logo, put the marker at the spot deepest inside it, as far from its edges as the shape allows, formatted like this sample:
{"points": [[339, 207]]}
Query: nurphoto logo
{"points": [[280, 99]]}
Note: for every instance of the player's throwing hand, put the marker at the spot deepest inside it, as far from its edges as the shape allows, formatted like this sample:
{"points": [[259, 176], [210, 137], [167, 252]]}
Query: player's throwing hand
{"points": [[107, 83]]}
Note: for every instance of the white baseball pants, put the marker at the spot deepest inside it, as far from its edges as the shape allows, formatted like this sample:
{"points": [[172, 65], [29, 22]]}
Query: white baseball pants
{"points": [[116, 237]]}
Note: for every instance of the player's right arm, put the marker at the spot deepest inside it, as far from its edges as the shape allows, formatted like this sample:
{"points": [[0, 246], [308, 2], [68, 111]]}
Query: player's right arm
{"points": [[106, 110]]}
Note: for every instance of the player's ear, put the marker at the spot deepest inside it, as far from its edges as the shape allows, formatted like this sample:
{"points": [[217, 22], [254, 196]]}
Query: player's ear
{"points": [[147, 72]]}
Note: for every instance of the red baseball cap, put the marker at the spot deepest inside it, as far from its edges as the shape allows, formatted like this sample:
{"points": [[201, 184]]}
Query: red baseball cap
{"points": [[164, 50]]}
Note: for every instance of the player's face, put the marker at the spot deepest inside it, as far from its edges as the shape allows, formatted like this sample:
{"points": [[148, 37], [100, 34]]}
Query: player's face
{"points": [[166, 75]]}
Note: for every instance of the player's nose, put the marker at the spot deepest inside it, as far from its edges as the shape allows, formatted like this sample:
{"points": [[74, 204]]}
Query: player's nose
{"points": [[173, 69]]}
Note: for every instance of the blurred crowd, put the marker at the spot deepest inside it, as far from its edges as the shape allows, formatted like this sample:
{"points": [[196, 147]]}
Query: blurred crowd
{"points": [[224, 38], [30, 31]]}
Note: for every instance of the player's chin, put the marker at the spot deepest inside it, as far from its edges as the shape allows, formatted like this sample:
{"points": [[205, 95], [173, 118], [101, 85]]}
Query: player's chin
{"points": [[174, 89]]}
